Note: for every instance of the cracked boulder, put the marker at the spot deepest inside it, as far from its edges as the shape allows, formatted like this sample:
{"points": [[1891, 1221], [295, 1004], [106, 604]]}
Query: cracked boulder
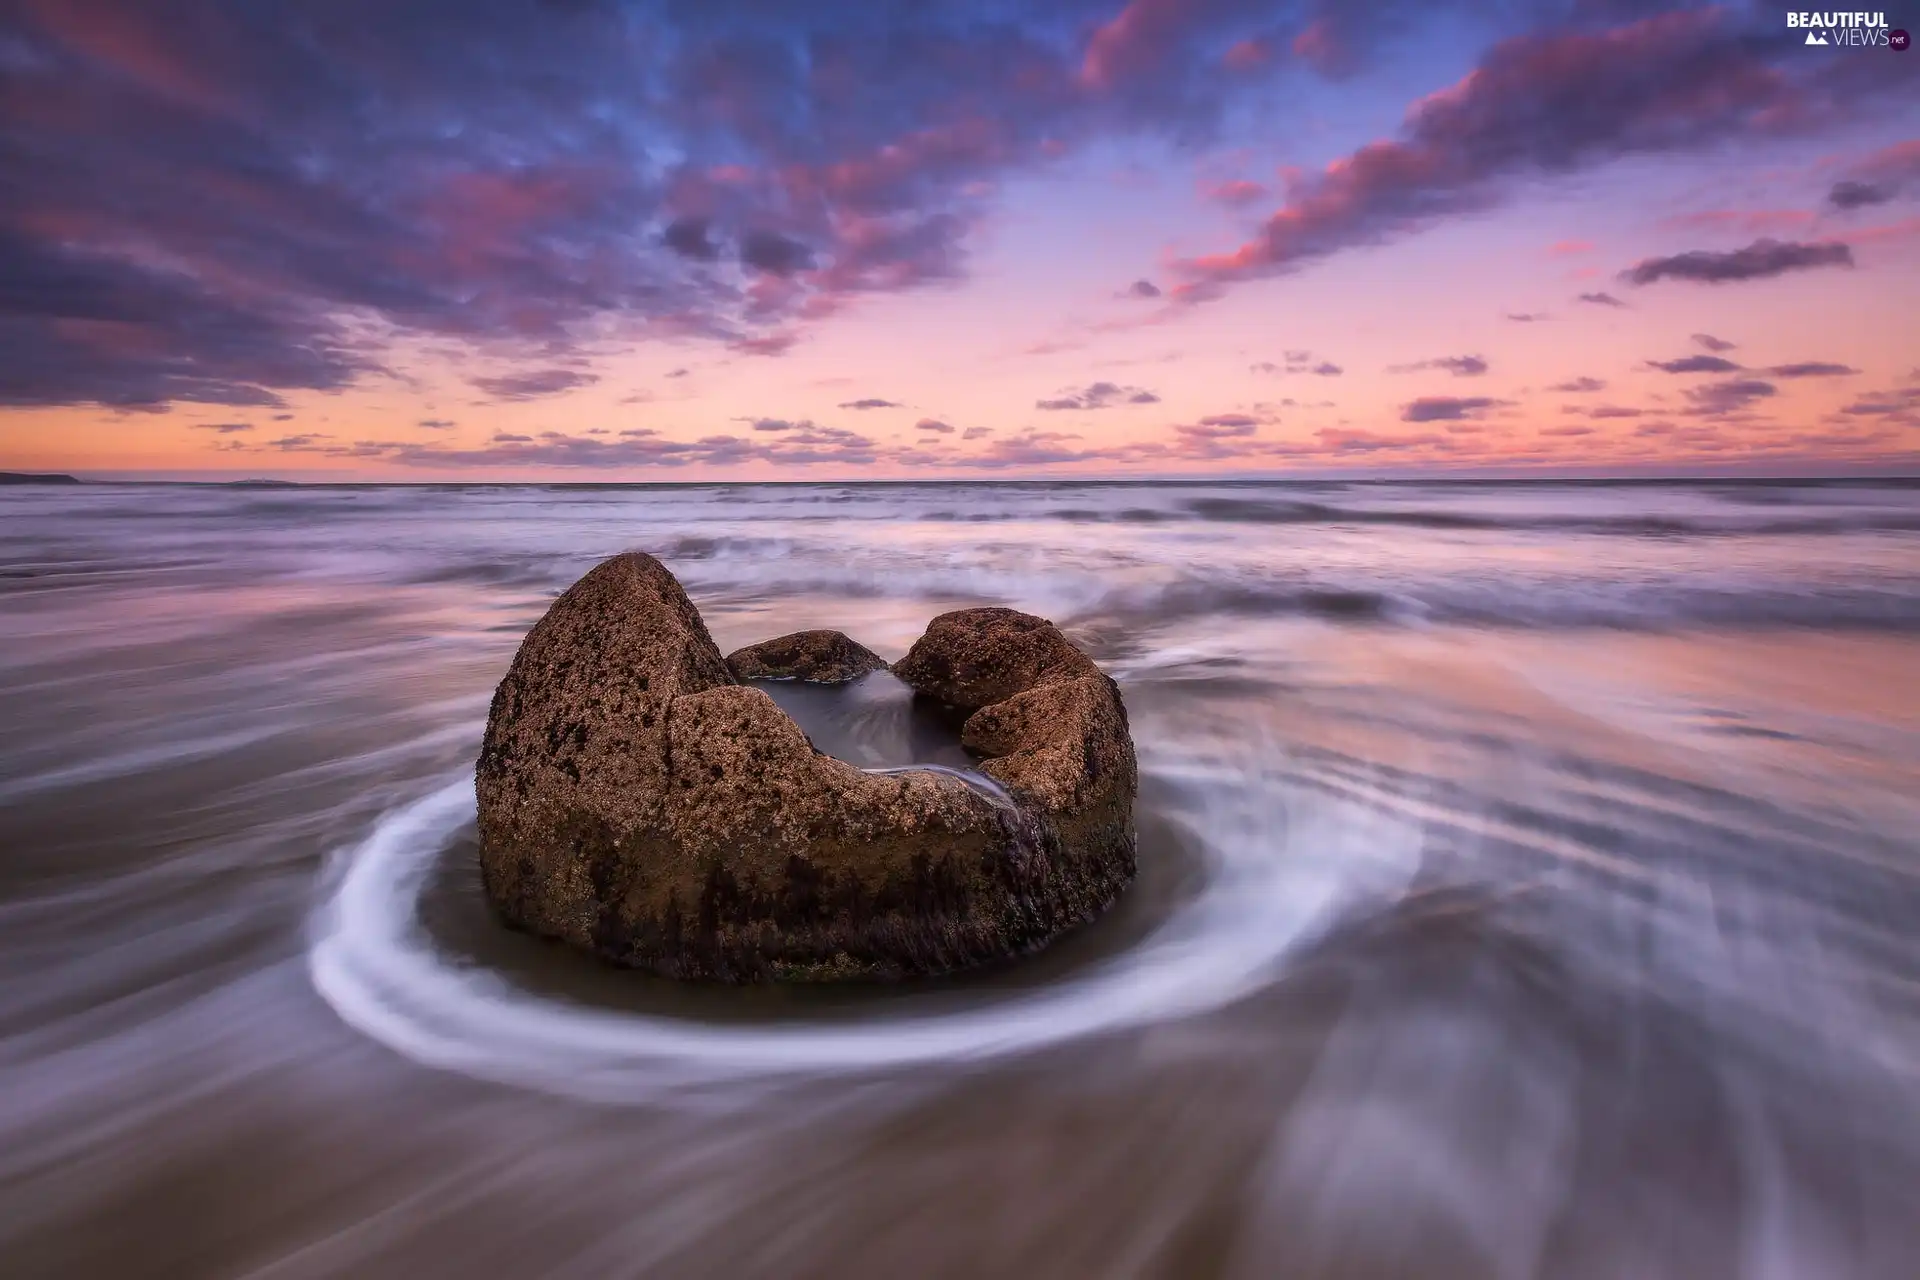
{"points": [[637, 802], [820, 657]]}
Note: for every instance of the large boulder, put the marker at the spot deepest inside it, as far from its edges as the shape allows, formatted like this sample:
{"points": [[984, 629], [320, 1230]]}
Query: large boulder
{"points": [[637, 802], [820, 657]]}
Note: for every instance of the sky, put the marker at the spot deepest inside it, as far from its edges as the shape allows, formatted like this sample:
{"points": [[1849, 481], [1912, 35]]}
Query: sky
{"points": [[583, 240]]}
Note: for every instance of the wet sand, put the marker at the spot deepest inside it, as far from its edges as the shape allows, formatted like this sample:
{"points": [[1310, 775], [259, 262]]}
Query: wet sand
{"points": [[1462, 948]]}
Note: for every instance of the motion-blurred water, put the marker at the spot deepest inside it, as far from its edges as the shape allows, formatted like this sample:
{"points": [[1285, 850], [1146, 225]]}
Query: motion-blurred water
{"points": [[1530, 887]]}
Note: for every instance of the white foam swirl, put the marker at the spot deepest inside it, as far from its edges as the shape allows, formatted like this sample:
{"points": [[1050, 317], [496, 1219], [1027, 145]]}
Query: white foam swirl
{"points": [[1279, 860]]}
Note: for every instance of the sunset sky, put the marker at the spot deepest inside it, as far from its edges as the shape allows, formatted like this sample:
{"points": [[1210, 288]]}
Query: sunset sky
{"points": [[575, 240]]}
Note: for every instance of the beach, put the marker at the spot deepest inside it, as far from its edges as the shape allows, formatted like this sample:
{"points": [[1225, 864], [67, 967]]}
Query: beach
{"points": [[1529, 887]]}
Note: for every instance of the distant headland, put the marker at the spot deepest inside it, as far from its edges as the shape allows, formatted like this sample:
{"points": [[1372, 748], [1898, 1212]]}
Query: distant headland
{"points": [[29, 477]]}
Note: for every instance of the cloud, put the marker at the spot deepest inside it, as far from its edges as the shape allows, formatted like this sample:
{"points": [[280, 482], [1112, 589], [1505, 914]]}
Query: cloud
{"points": [[774, 253], [768, 344], [1545, 103], [1219, 426], [1569, 248], [435, 424], [1328, 45], [1719, 398], [1812, 369], [934, 425], [1712, 343], [1566, 431], [1447, 408], [832, 437], [634, 449], [224, 428], [870, 403], [976, 433], [1879, 178], [88, 325], [1613, 411], [1601, 300], [213, 219], [1035, 448], [532, 386], [677, 373], [1098, 395], [1143, 289], [1899, 403], [1758, 261], [1458, 366], [1299, 362], [1236, 193], [691, 237], [1852, 194], [1343, 441], [1580, 384], [1528, 317], [1695, 364]]}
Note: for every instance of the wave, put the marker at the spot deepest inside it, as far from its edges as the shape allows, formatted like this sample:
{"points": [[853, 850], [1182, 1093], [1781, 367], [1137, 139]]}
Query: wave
{"points": [[1360, 597], [1253, 511], [1282, 862], [1249, 511]]}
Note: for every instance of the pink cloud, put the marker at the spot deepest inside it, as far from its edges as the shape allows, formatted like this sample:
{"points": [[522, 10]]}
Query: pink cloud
{"points": [[1321, 47], [1246, 55], [771, 344], [1545, 102], [1132, 42], [1235, 193]]}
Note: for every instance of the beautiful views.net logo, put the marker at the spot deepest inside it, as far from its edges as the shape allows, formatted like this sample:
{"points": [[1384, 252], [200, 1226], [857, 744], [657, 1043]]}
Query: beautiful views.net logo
{"points": [[1859, 30]]}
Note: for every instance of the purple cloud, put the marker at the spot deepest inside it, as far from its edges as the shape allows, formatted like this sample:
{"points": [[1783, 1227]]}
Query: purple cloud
{"points": [[1447, 408], [1548, 102], [1812, 369], [1695, 364], [532, 386], [1760, 260], [1720, 398], [1878, 178], [1219, 426], [1458, 366], [1098, 395]]}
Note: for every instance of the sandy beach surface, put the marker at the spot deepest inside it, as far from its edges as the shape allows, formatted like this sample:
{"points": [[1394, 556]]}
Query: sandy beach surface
{"points": [[1530, 887]]}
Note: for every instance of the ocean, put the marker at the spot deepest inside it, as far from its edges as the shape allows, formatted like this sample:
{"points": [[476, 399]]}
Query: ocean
{"points": [[1529, 887]]}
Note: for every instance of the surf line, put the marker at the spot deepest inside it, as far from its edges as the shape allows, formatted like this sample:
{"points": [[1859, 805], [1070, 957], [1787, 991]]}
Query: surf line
{"points": [[372, 961]]}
